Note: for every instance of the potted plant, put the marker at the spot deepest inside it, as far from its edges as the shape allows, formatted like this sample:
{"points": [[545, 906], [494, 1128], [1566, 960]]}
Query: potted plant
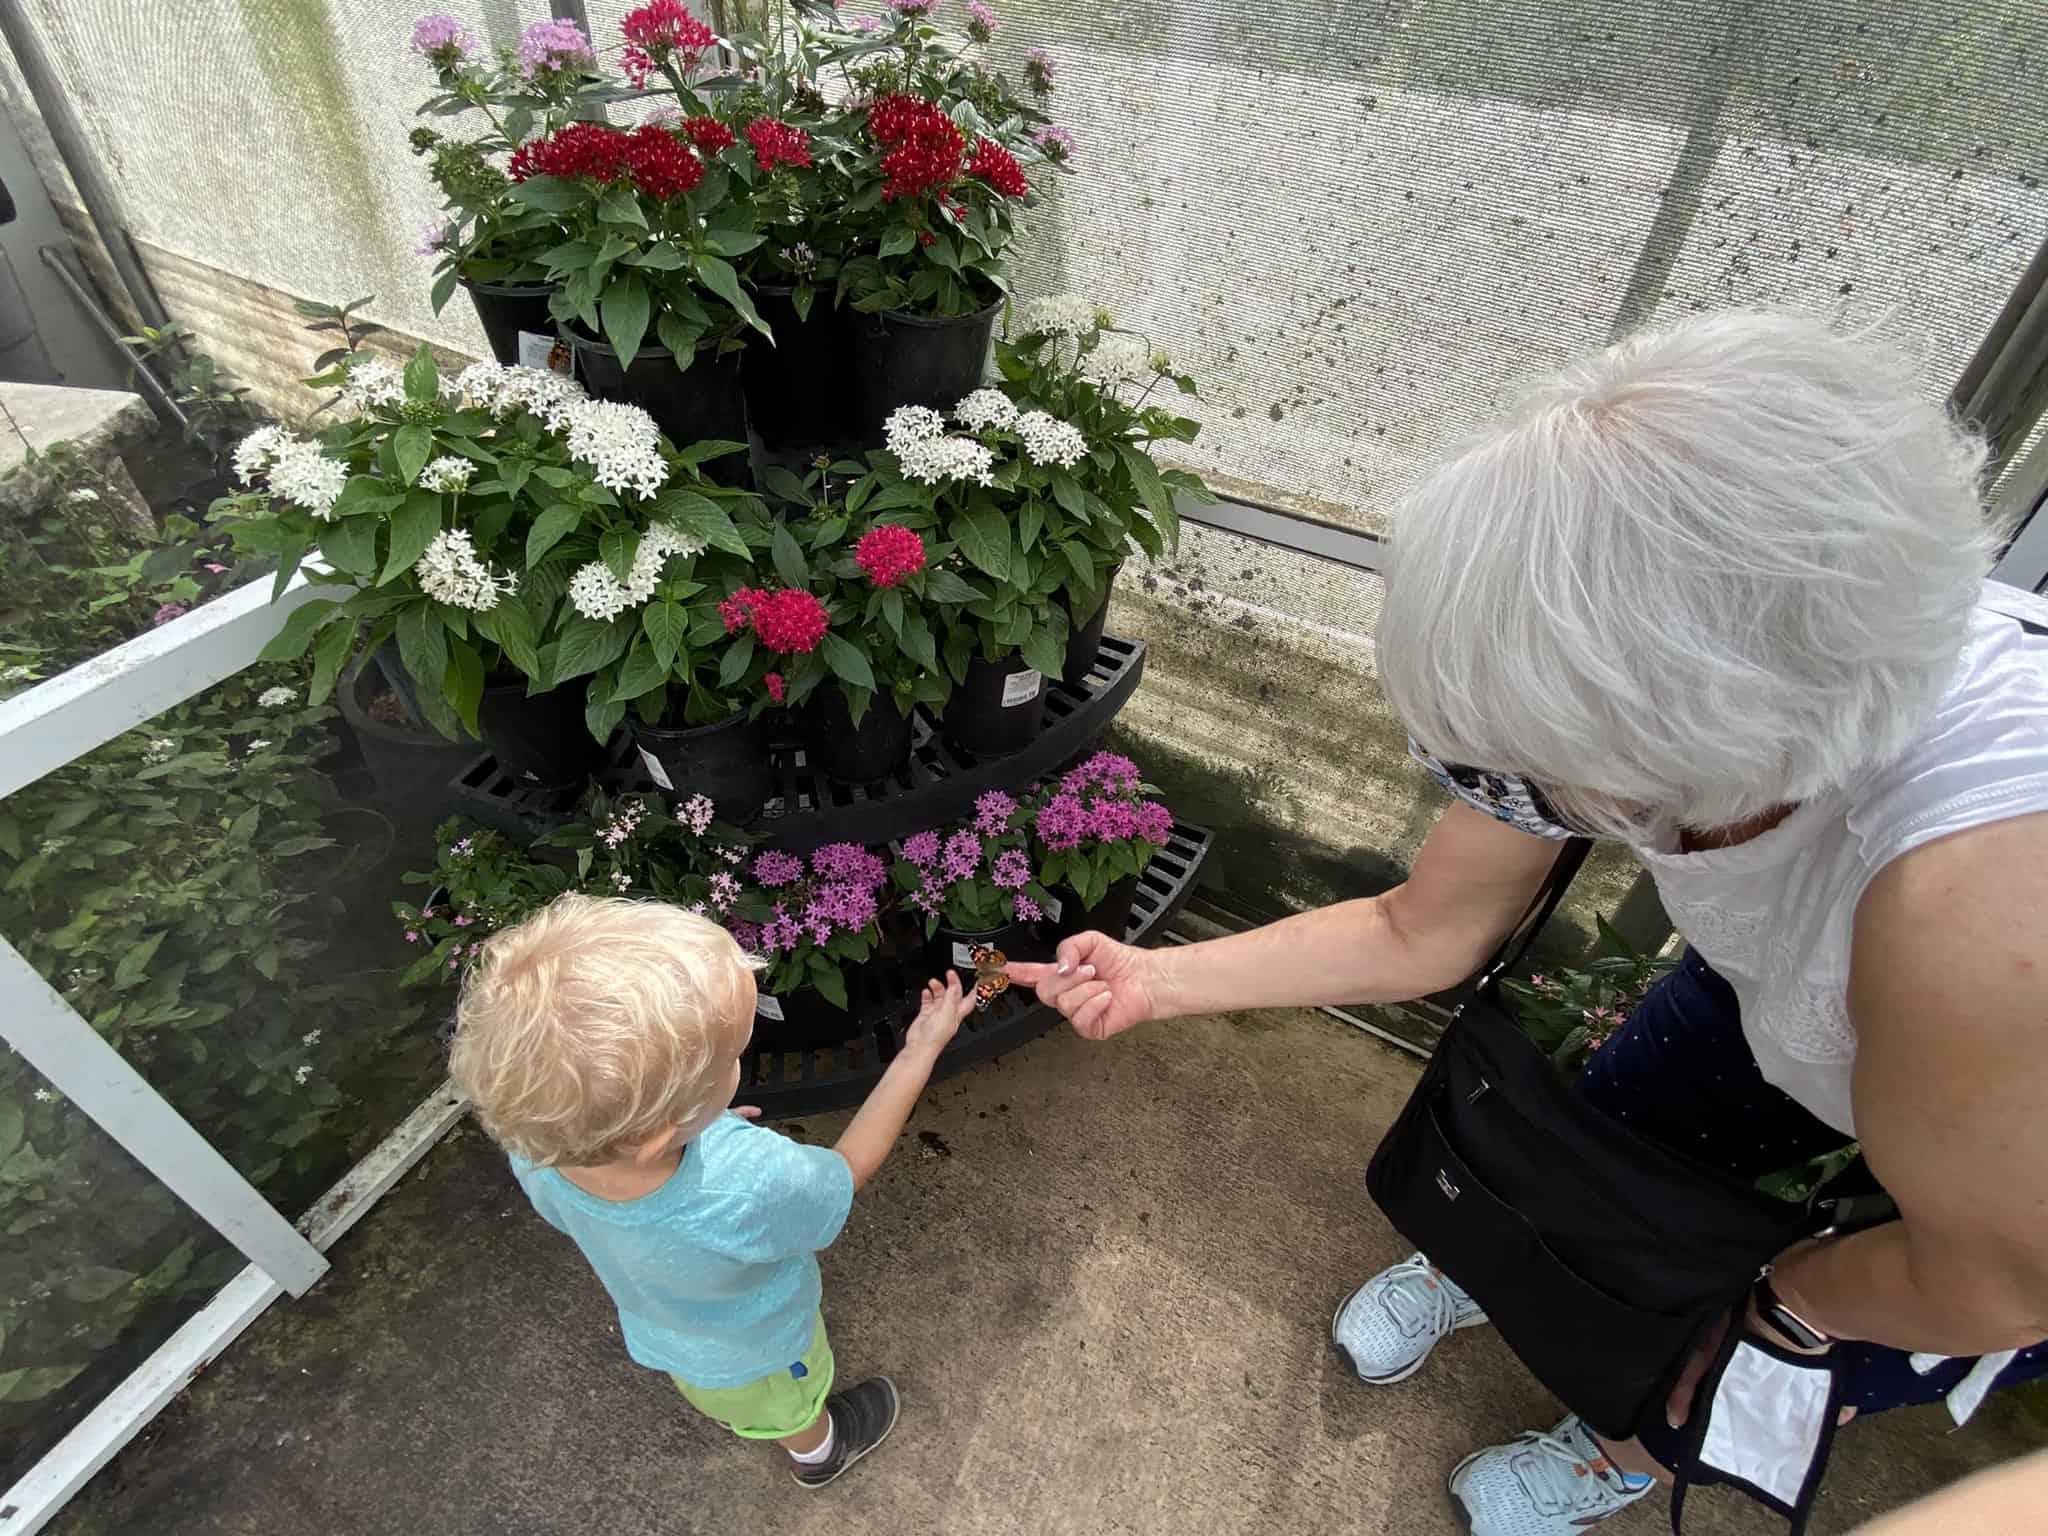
{"points": [[479, 884], [974, 887], [933, 194], [486, 243], [633, 845], [1095, 832], [1069, 362], [809, 921]]}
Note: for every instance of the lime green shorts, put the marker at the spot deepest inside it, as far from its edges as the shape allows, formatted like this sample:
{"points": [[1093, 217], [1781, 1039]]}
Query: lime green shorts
{"points": [[781, 1404]]}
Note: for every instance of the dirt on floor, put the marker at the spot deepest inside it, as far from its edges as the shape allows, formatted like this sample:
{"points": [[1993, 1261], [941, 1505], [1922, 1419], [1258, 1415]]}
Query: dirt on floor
{"points": [[1101, 1275]]}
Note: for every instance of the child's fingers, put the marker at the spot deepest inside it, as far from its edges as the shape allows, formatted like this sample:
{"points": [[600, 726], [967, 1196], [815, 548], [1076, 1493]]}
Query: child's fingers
{"points": [[747, 1111]]}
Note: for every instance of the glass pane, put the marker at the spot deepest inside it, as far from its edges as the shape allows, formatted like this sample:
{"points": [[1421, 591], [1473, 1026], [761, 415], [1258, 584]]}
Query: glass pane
{"points": [[99, 1264], [212, 892]]}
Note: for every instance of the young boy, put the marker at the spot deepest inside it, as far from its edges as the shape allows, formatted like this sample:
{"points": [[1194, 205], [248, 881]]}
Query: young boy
{"points": [[601, 1043]]}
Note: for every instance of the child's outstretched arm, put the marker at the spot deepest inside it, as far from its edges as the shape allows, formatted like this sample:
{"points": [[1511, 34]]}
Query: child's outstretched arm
{"points": [[868, 1140]]}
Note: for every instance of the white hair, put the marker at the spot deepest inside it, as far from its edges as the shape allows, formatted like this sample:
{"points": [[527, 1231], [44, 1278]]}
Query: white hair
{"points": [[1707, 572]]}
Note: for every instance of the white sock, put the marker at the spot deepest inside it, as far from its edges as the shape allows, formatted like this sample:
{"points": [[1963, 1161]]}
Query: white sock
{"points": [[824, 1450]]}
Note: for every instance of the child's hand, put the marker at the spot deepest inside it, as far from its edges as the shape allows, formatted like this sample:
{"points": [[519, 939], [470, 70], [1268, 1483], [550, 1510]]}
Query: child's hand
{"points": [[942, 1008]]}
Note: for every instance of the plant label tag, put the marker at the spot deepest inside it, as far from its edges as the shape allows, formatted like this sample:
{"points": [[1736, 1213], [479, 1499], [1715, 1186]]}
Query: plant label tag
{"points": [[963, 955], [1053, 908], [1021, 687], [655, 772], [535, 349], [767, 1007]]}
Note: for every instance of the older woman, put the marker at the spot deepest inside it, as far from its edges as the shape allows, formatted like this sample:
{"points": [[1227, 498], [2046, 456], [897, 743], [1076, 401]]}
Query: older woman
{"points": [[1716, 592]]}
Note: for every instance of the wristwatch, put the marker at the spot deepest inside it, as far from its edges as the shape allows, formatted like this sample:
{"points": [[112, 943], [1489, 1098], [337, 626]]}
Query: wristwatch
{"points": [[1773, 1310]]}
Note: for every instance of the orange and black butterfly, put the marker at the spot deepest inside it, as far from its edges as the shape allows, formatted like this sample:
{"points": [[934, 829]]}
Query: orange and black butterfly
{"points": [[990, 978]]}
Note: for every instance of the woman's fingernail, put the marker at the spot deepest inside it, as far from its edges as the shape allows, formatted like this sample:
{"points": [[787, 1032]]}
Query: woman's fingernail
{"points": [[1064, 968], [1087, 971]]}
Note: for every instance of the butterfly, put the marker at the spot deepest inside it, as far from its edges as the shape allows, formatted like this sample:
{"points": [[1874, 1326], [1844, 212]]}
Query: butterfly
{"points": [[989, 976]]}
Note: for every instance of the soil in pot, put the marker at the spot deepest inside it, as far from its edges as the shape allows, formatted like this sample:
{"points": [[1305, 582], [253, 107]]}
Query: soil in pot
{"points": [[800, 391], [905, 359], [999, 709], [539, 739], [690, 405], [854, 754], [1110, 915], [953, 949], [1084, 640], [726, 761], [516, 321], [803, 1020]]}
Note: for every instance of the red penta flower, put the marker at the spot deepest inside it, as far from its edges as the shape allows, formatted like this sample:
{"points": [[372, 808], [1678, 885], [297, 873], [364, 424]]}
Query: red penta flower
{"points": [[926, 237], [659, 31], [790, 622], [738, 610], [662, 164], [925, 146], [776, 687], [999, 168], [777, 143], [708, 134], [593, 151], [888, 554]]}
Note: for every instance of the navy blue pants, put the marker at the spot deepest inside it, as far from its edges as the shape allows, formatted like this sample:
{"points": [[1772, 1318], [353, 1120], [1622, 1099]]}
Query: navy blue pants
{"points": [[1679, 1072]]}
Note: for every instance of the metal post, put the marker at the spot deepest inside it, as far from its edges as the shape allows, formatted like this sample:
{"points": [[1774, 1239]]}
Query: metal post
{"points": [[82, 1066], [147, 382], [2005, 387], [102, 207]]}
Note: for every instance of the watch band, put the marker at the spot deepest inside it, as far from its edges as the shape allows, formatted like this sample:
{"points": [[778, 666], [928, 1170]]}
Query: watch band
{"points": [[1781, 1317]]}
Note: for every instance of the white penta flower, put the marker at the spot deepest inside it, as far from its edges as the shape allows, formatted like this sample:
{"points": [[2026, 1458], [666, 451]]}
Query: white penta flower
{"points": [[1062, 314], [84, 493], [547, 394], [254, 452], [160, 750], [259, 744], [909, 424], [450, 572], [620, 443], [1048, 440], [986, 409], [310, 1037], [446, 474], [597, 594], [478, 385], [938, 459], [277, 698], [306, 477], [301, 1074], [372, 382], [1117, 359]]}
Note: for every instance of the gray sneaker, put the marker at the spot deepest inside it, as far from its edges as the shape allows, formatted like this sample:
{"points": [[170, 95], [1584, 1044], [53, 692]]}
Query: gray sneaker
{"points": [[1541, 1485], [1387, 1327], [862, 1418]]}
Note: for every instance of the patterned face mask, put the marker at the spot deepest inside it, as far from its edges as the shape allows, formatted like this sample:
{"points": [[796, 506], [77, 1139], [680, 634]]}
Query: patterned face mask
{"points": [[1505, 797]]}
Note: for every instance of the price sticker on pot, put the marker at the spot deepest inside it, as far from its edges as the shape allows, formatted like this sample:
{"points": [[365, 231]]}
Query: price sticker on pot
{"points": [[535, 349], [1022, 687], [963, 955], [766, 1007], [654, 769], [1053, 908]]}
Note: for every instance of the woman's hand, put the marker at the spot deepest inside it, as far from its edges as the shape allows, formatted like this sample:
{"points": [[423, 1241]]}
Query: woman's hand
{"points": [[1101, 986], [1678, 1406]]}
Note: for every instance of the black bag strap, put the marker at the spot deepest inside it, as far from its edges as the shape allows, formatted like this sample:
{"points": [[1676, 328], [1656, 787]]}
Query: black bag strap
{"points": [[1542, 906]]}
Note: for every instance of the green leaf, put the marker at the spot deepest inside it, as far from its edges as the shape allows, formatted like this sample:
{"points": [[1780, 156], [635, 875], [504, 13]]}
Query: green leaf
{"points": [[897, 241], [413, 444], [587, 645], [413, 527], [1152, 491], [443, 289], [846, 661], [1066, 490], [659, 257], [738, 657], [134, 965], [617, 547], [830, 984], [549, 529], [330, 652], [422, 378], [643, 670], [513, 627], [621, 205], [1045, 652], [34, 1382], [666, 625], [549, 194], [365, 493], [12, 1128], [679, 336], [917, 643], [1029, 521], [892, 610], [789, 558], [984, 537], [946, 587], [351, 545], [720, 278], [290, 642], [465, 684], [733, 242], [423, 647], [625, 309], [698, 516], [91, 1283]]}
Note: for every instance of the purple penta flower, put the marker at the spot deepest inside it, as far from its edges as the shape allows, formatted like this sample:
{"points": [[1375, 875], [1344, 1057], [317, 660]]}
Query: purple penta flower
{"points": [[914, 7], [1111, 770], [1155, 822], [1113, 821], [554, 45], [168, 612], [442, 38], [962, 856], [849, 862], [922, 849], [928, 897], [1011, 869], [866, 23], [1055, 143], [745, 934], [775, 868], [433, 236], [1062, 821], [981, 20], [849, 905], [782, 932], [992, 813], [1027, 910], [1038, 72], [725, 889]]}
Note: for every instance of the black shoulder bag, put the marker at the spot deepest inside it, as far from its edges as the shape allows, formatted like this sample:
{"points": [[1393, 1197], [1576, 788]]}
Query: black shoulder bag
{"points": [[1604, 1259]]}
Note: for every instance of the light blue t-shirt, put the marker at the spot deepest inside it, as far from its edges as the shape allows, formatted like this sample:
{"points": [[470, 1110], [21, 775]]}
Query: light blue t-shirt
{"points": [[714, 1273]]}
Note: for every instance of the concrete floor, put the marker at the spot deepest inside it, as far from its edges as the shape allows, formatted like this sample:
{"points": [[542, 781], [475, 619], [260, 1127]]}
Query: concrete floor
{"points": [[1101, 1274]]}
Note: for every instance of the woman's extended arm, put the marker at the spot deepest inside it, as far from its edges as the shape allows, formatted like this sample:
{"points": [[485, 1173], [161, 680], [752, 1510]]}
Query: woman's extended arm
{"points": [[1472, 880]]}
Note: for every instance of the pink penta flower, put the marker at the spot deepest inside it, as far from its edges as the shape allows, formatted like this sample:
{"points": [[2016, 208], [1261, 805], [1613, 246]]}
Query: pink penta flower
{"points": [[1011, 869], [889, 553], [442, 39], [992, 813], [981, 20], [777, 688], [776, 869], [168, 612], [922, 849], [1027, 910], [549, 46]]}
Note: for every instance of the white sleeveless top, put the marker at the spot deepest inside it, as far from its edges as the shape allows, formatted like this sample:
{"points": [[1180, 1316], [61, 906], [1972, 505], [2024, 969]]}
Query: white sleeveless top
{"points": [[1775, 915]]}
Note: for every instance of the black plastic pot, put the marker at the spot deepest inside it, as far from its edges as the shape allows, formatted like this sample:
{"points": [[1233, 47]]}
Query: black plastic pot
{"points": [[906, 359], [1111, 915], [541, 739], [999, 709], [516, 320], [801, 1021], [800, 391], [726, 761], [953, 949], [412, 765], [689, 405], [1084, 640], [854, 754]]}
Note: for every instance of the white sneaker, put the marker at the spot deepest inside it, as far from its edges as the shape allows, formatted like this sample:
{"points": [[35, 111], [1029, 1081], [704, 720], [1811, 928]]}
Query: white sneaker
{"points": [[1387, 1327], [1541, 1485]]}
